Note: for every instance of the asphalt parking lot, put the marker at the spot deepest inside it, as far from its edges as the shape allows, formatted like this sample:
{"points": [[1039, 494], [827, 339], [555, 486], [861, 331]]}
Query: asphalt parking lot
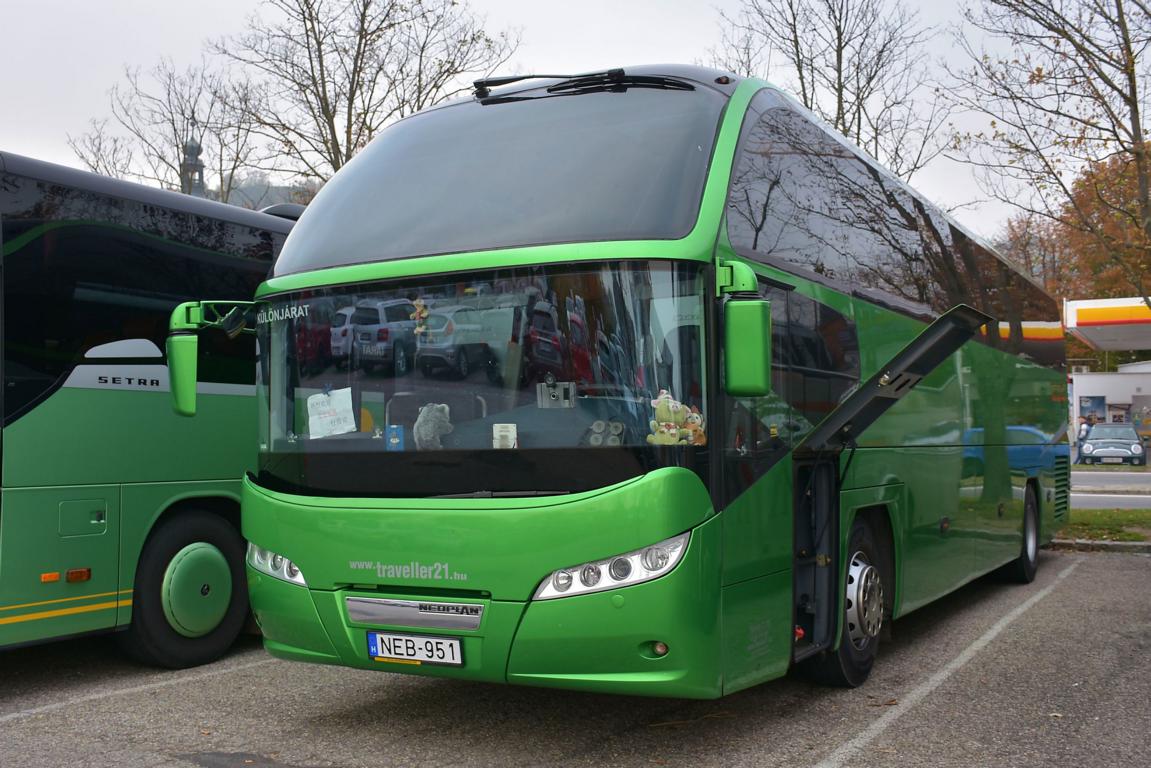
{"points": [[1055, 673]]}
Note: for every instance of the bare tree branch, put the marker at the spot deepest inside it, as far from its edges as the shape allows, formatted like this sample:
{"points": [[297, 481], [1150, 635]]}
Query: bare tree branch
{"points": [[1064, 119], [327, 76], [861, 65]]}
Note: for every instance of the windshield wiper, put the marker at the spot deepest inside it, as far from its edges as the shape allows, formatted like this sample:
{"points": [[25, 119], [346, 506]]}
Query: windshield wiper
{"points": [[483, 88], [595, 81], [496, 494], [617, 78]]}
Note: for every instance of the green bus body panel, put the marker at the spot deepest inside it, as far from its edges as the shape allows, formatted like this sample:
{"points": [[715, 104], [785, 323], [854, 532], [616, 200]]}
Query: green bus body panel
{"points": [[501, 548], [116, 458], [758, 536], [123, 436], [757, 630], [40, 533], [288, 620]]}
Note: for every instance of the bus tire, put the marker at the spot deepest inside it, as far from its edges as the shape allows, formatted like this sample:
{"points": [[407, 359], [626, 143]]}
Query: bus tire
{"points": [[1022, 569], [190, 600], [863, 613]]}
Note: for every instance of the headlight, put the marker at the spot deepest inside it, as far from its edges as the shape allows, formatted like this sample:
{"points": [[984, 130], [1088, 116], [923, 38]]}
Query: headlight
{"points": [[1088, 447], [274, 565], [1136, 449], [613, 572]]}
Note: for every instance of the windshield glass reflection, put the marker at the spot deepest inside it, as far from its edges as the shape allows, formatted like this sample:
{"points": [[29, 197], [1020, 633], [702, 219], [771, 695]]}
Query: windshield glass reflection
{"points": [[567, 378]]}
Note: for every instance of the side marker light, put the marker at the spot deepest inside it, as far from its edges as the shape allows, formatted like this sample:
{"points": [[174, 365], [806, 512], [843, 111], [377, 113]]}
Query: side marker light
{"points": [[73, 575], [50, 578]]}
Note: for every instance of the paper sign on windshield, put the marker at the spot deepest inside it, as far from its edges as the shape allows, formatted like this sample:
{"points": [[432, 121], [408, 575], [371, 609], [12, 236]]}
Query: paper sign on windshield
{"points": [[330, 413]]}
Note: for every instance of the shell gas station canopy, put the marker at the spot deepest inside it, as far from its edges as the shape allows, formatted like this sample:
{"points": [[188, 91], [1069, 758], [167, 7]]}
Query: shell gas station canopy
{"points": [[1110, 324]]}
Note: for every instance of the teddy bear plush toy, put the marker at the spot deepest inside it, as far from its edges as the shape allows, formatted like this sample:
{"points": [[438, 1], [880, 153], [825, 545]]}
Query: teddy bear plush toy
{"points": [[420, 315], [695, 427], [669, 425], [433, 422]]}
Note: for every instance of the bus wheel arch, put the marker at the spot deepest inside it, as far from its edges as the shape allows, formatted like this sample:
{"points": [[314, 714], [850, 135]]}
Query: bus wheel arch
{"points": [[190, 598]]}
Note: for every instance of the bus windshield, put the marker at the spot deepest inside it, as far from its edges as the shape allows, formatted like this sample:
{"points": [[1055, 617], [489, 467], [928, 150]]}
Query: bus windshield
{"points": [[519, 381], [597, 166]]}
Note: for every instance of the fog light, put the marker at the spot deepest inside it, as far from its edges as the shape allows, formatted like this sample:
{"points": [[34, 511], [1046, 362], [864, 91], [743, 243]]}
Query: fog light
{"points": [[590, 575], [620, 568], [562, 581], [659, 648]]}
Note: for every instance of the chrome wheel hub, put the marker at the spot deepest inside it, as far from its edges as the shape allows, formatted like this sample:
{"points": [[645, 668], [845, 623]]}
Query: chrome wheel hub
{"points": [[864, 601]]}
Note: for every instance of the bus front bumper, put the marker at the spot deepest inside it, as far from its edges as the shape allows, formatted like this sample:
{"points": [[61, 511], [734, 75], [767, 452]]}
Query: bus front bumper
{"points": [[606, 641]]}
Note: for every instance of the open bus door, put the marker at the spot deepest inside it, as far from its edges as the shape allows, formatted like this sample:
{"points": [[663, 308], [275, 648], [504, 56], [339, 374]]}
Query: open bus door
{"points": [[817, 484]]}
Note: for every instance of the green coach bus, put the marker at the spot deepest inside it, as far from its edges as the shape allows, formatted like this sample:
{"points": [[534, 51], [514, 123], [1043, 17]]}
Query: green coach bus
{"points": [[102, 525], [657, 386]]}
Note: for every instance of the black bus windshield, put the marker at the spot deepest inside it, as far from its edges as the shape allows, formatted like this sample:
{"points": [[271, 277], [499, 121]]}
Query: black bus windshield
{"points": [[600, 165], [513, 382]]}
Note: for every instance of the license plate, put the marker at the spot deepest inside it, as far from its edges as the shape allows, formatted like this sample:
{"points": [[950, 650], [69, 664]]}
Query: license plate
{"points": [[415, 649], [1112, 460]]}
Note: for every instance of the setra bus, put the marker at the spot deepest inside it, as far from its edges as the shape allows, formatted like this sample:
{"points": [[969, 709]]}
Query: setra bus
{"points": [[657, 386], [102, 526]]}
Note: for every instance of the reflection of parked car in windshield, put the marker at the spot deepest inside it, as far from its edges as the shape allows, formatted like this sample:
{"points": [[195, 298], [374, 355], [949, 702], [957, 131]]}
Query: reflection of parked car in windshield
{"points": [[543, 344], [342, 336], [314, 338], [385, 334], [453, 339], [1113, 444]]}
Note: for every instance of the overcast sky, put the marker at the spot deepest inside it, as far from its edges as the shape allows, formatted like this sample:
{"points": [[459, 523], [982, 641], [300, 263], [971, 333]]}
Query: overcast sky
{"points": [[60, 57]]}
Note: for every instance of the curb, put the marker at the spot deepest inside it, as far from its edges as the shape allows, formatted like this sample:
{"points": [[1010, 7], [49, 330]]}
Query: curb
{"points": [[1122, 490], [1091, 545]]}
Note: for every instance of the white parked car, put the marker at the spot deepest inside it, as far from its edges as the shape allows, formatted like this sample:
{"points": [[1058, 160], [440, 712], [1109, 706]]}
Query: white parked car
{"points": [[342, 336]]}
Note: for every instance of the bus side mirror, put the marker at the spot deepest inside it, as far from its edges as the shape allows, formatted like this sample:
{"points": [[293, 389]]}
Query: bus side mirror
{"points": [[183, 343], [747, 347], [183, 349]]}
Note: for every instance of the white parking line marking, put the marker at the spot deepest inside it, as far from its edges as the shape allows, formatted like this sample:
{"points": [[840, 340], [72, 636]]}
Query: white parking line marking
{"points": [[845, 751], [176, 680]]}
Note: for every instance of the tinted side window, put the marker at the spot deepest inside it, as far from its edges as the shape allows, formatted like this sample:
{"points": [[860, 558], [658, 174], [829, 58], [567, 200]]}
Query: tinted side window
{"points": [[78, 274], [821, 360], [802, 200]]}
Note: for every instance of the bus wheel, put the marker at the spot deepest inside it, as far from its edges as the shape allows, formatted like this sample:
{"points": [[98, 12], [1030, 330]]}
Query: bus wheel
{"points": [[1023, 568], [863, 608], [190, 600]]}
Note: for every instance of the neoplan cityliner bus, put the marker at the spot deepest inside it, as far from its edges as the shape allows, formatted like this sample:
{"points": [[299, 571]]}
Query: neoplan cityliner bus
{"points": [[736, 397], [102, 526]]}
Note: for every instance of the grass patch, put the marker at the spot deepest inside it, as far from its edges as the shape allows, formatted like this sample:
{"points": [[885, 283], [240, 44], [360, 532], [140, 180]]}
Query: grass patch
{"points": [[1108, 525]]}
